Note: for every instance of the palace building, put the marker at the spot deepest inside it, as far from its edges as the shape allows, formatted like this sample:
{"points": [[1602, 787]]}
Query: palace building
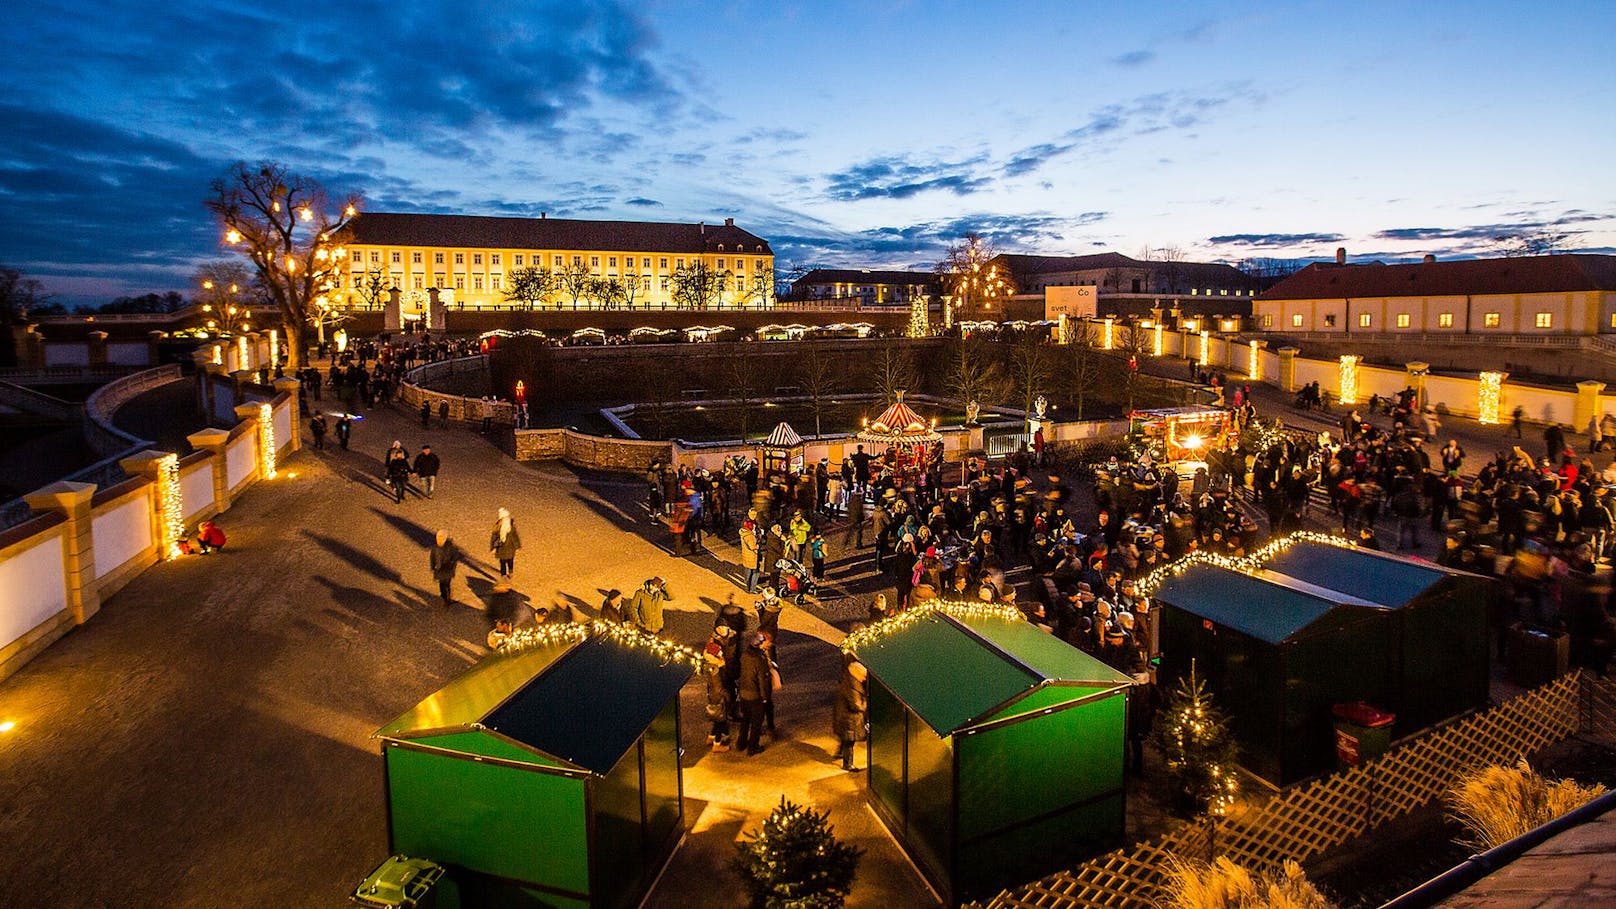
{"points": [[865, 287], [472, 261]]}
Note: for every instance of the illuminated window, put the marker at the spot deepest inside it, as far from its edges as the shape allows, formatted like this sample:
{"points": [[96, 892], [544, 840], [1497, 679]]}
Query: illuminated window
{"points": [[460, 258], [664, 284], [720, 262], [493, 259], [415, 257], [477, 283], [1195, 291], [558, 261], [437, 280], [460, 282], [520, 258], [1223, 292], [375, 255], [420, 283], [1296, 320], [1444, 320], [611, 261], [1267, 322], [662, 264], [437, 258], [1613, 320], [679, 263], [397, 258], [1545, 320], [1402, 320], [476, 258], [594, 261], [1490, 320], [494, 282], [1363, 320], [1329, 320]]}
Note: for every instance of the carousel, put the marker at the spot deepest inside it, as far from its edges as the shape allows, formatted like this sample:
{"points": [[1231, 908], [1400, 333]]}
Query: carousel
{"points": [[904, 435]]}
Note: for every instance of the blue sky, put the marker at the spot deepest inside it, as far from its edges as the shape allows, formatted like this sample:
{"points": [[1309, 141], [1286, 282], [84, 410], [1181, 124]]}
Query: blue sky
{"points": [[869, 134]]}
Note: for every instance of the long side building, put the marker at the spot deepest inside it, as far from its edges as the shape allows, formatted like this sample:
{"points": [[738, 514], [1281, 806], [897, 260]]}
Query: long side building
{"points": [[473, 257]]}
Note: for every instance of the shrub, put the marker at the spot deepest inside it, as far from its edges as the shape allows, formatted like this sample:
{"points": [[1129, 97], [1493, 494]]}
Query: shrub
{"points": [[1225, 885], [1498, 804], [795, 861]]}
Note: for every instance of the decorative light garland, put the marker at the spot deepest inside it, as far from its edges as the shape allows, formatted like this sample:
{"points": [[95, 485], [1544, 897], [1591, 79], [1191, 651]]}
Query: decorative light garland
{"points": [[274, 348], [1254, 363], [1156, 347], [535, 636], [242, 360], [1108, 335], [1249, 564], [959, 609], [919, 320], [1349, 378], [266, 441], [218, 354], [170, 505], [1206, 348], [1490, 393]]}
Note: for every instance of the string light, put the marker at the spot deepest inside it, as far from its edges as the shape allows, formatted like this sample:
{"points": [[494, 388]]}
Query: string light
{"points": [[919, 321], [241, 352], [1156, 349], [1490, 393], [170, 505], [1254, 364], [233, 236], [1248, 564], [1206, 348], [1349, 378], [536, 636], [266, 441], [874, 634], [1108, 335], [274, 347]]}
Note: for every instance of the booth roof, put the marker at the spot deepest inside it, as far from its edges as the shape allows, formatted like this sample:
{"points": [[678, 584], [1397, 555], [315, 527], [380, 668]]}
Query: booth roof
{"points": [[988, 664], [783, 436], [584, 704], [1388, 580], [1268, 606]]}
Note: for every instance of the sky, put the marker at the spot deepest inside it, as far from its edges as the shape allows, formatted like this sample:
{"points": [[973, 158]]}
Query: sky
{"points": [[854, 134]]}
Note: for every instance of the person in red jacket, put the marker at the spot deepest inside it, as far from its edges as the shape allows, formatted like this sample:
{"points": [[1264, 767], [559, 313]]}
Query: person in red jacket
{"points": [[209, 537]]}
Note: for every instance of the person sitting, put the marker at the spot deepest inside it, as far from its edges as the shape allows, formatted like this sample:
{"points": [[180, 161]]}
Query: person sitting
{"points": [[209, 537]]}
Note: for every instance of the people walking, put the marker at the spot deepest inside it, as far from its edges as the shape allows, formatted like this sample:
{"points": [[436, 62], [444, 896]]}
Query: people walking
{"points": [[645, 608], [849, 717], [344, 430], [317, 429], [444, 556], [751, 550], [504, 542], [426, 467], [720, 699], [398, 470]]}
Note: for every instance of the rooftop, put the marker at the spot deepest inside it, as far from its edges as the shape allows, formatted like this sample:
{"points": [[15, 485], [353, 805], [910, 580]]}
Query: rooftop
{"points": [[1458, 277], [477, 232]]}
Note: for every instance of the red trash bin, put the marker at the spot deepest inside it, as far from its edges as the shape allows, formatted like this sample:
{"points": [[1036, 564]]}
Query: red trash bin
{"points": [[1362, 733]]}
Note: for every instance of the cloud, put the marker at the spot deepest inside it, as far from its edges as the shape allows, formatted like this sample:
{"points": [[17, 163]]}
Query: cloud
{"points": [[1268, 241], [643, 202], [922, 245], [901, 177], [1134, 58]]}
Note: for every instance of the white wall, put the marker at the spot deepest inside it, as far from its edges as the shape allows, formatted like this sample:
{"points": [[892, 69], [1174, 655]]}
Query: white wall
{"points": [[129, 353], [122, 533], [283, 427], [35, 588], [74, 354], [241, 458], [196, 489]]}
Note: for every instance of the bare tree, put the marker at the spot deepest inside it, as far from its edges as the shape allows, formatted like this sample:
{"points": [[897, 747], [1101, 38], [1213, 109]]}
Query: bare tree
{"points": [[972, 373], [894, 371], [697, 285], [575, 280], [820, 376], [760, 291], [530, 286], [744, 373], [372, 288], [786, 278], [281, 223], [1081, 368], [226, 295], [971, 278], [1169, 264], [1031, 367], [1132, 342], [1541, 241]]}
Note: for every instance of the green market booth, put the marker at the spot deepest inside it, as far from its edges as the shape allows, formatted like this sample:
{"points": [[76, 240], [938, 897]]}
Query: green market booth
{"points": [[995, 749], [543, 777], [1320, 625]]}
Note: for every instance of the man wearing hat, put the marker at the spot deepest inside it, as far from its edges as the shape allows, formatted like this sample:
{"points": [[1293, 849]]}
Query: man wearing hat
{"points": [[754, 688], [720, 696], [645, 608]]}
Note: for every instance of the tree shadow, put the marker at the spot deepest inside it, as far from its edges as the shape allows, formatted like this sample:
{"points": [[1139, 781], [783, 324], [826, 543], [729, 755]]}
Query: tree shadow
{"points": [[366, 563], [421, 536]]}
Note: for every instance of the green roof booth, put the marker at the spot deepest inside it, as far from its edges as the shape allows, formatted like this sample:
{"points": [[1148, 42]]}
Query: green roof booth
{"points": [[995, 749], [1322, 625], [543, 777]]}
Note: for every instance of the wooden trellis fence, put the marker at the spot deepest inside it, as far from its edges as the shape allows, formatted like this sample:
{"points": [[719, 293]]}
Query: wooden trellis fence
{"points": [[1303, 822]]}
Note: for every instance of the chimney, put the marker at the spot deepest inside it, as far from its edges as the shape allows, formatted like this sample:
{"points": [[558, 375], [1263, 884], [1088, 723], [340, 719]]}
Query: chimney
{"points": [[703, 226], [1429, 258], [729, 222], [1340, 255], [543, 215]]}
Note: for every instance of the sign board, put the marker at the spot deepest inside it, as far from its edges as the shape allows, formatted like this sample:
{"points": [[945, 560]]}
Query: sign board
{"points": [[1080, 301]]}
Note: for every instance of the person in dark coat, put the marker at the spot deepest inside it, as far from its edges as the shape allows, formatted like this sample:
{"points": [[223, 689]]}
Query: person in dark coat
{"points": [[344, 430], [444, 556], [398, 471], [612, 608], [719, 695], [754, 689], [504, 542], [426, 467], [317, 429], [849, 717]]}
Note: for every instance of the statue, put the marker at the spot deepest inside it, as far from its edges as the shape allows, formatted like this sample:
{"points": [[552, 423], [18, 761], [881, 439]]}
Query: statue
{"points": [[1040, 406], [973, 410]]}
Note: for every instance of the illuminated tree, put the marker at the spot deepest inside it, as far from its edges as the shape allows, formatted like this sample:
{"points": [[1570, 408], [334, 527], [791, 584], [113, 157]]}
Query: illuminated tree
{"points": [[372, 288], [283, 224], [1199, 750], [225, 294], [760, 291], [971, 278], [529, 286], [795, 861]]}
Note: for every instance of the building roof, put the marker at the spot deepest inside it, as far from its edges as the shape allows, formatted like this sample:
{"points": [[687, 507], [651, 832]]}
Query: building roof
{"points": [[991, 663], [865, 276], [783, 436], [1374, 576], [1457, 277], [1188, 274], [477, 232], [1270, 607], [582, 705]]}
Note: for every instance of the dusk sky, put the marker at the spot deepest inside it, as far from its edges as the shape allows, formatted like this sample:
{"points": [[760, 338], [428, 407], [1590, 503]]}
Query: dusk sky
{"points": [[861, 133]]}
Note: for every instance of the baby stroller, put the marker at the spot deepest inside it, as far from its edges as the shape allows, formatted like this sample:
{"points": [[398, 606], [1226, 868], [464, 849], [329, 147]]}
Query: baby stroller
{"points": [[796, 584]]}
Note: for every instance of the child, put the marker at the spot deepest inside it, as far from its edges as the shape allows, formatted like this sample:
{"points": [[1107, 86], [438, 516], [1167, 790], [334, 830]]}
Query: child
{"points": [[816, 548], [209, 537]]}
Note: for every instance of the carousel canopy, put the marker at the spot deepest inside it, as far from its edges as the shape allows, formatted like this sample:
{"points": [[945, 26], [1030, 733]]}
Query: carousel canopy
{"points": [[783, 436], [899, 425]]}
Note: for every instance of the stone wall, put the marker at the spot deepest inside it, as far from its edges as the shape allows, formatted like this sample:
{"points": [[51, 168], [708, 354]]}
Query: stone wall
{"points": [[540, 444], [462, 408]]}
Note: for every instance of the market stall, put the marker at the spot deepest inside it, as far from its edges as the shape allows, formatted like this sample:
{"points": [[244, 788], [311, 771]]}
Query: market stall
{"points": [[1181, 437], [1003, 768], [546, 776], [782, 452]]}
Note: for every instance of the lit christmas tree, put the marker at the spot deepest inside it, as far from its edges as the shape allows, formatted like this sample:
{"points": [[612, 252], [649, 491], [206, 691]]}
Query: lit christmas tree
{"points": [[795, 861], [1198, 749]]}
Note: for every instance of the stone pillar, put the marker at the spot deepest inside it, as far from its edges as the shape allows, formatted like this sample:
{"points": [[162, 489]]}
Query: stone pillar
{"points": [[1251, 355], [72, 501], [290, 386], [1414, 377], [1287, 369], [1588, 405], [145, 465], [392, 311], [437, 313], [213, 441], [154, 341], [97, 343]]}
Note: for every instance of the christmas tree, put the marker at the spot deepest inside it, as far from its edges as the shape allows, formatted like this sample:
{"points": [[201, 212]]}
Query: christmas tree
{"points": [[795, 861], [1198, 750]]}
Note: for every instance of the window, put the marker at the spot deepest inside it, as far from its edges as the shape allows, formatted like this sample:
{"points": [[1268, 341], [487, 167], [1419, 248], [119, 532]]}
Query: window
{"points": [[375, 256], [493, 259], [437, 258], [1329, 320], [594, 261], [415, 257], [645, 283], [460, 282], [476, 258], [397, 258], [1402, 320], [1444, 320], [1364, 320], [1195, 291], [420, 283], [679, 263], [645, 262], [720, 261], [1545, 320], [664, 264], [520, 259], [611, 261], [577, 260], [558, 261], [1267, 321], [395, 280], [1223, 292], [664, 285], [494, 282], [460, 258], [1296, 320], [477, 283], [1489, 320], [437, 280]]}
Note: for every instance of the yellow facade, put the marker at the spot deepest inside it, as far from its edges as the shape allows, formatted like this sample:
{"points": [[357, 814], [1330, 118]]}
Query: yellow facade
{"points": [[1575, 313], [477, 277]]}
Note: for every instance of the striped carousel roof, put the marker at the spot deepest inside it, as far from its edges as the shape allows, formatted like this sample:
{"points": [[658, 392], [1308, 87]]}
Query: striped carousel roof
{"points": [[899, 424], [783, 436]]}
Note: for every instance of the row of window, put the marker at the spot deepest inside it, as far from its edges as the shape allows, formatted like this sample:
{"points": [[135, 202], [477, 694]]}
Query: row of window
{"points": [[559, 261], [396, 280], [1403, 320]]}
